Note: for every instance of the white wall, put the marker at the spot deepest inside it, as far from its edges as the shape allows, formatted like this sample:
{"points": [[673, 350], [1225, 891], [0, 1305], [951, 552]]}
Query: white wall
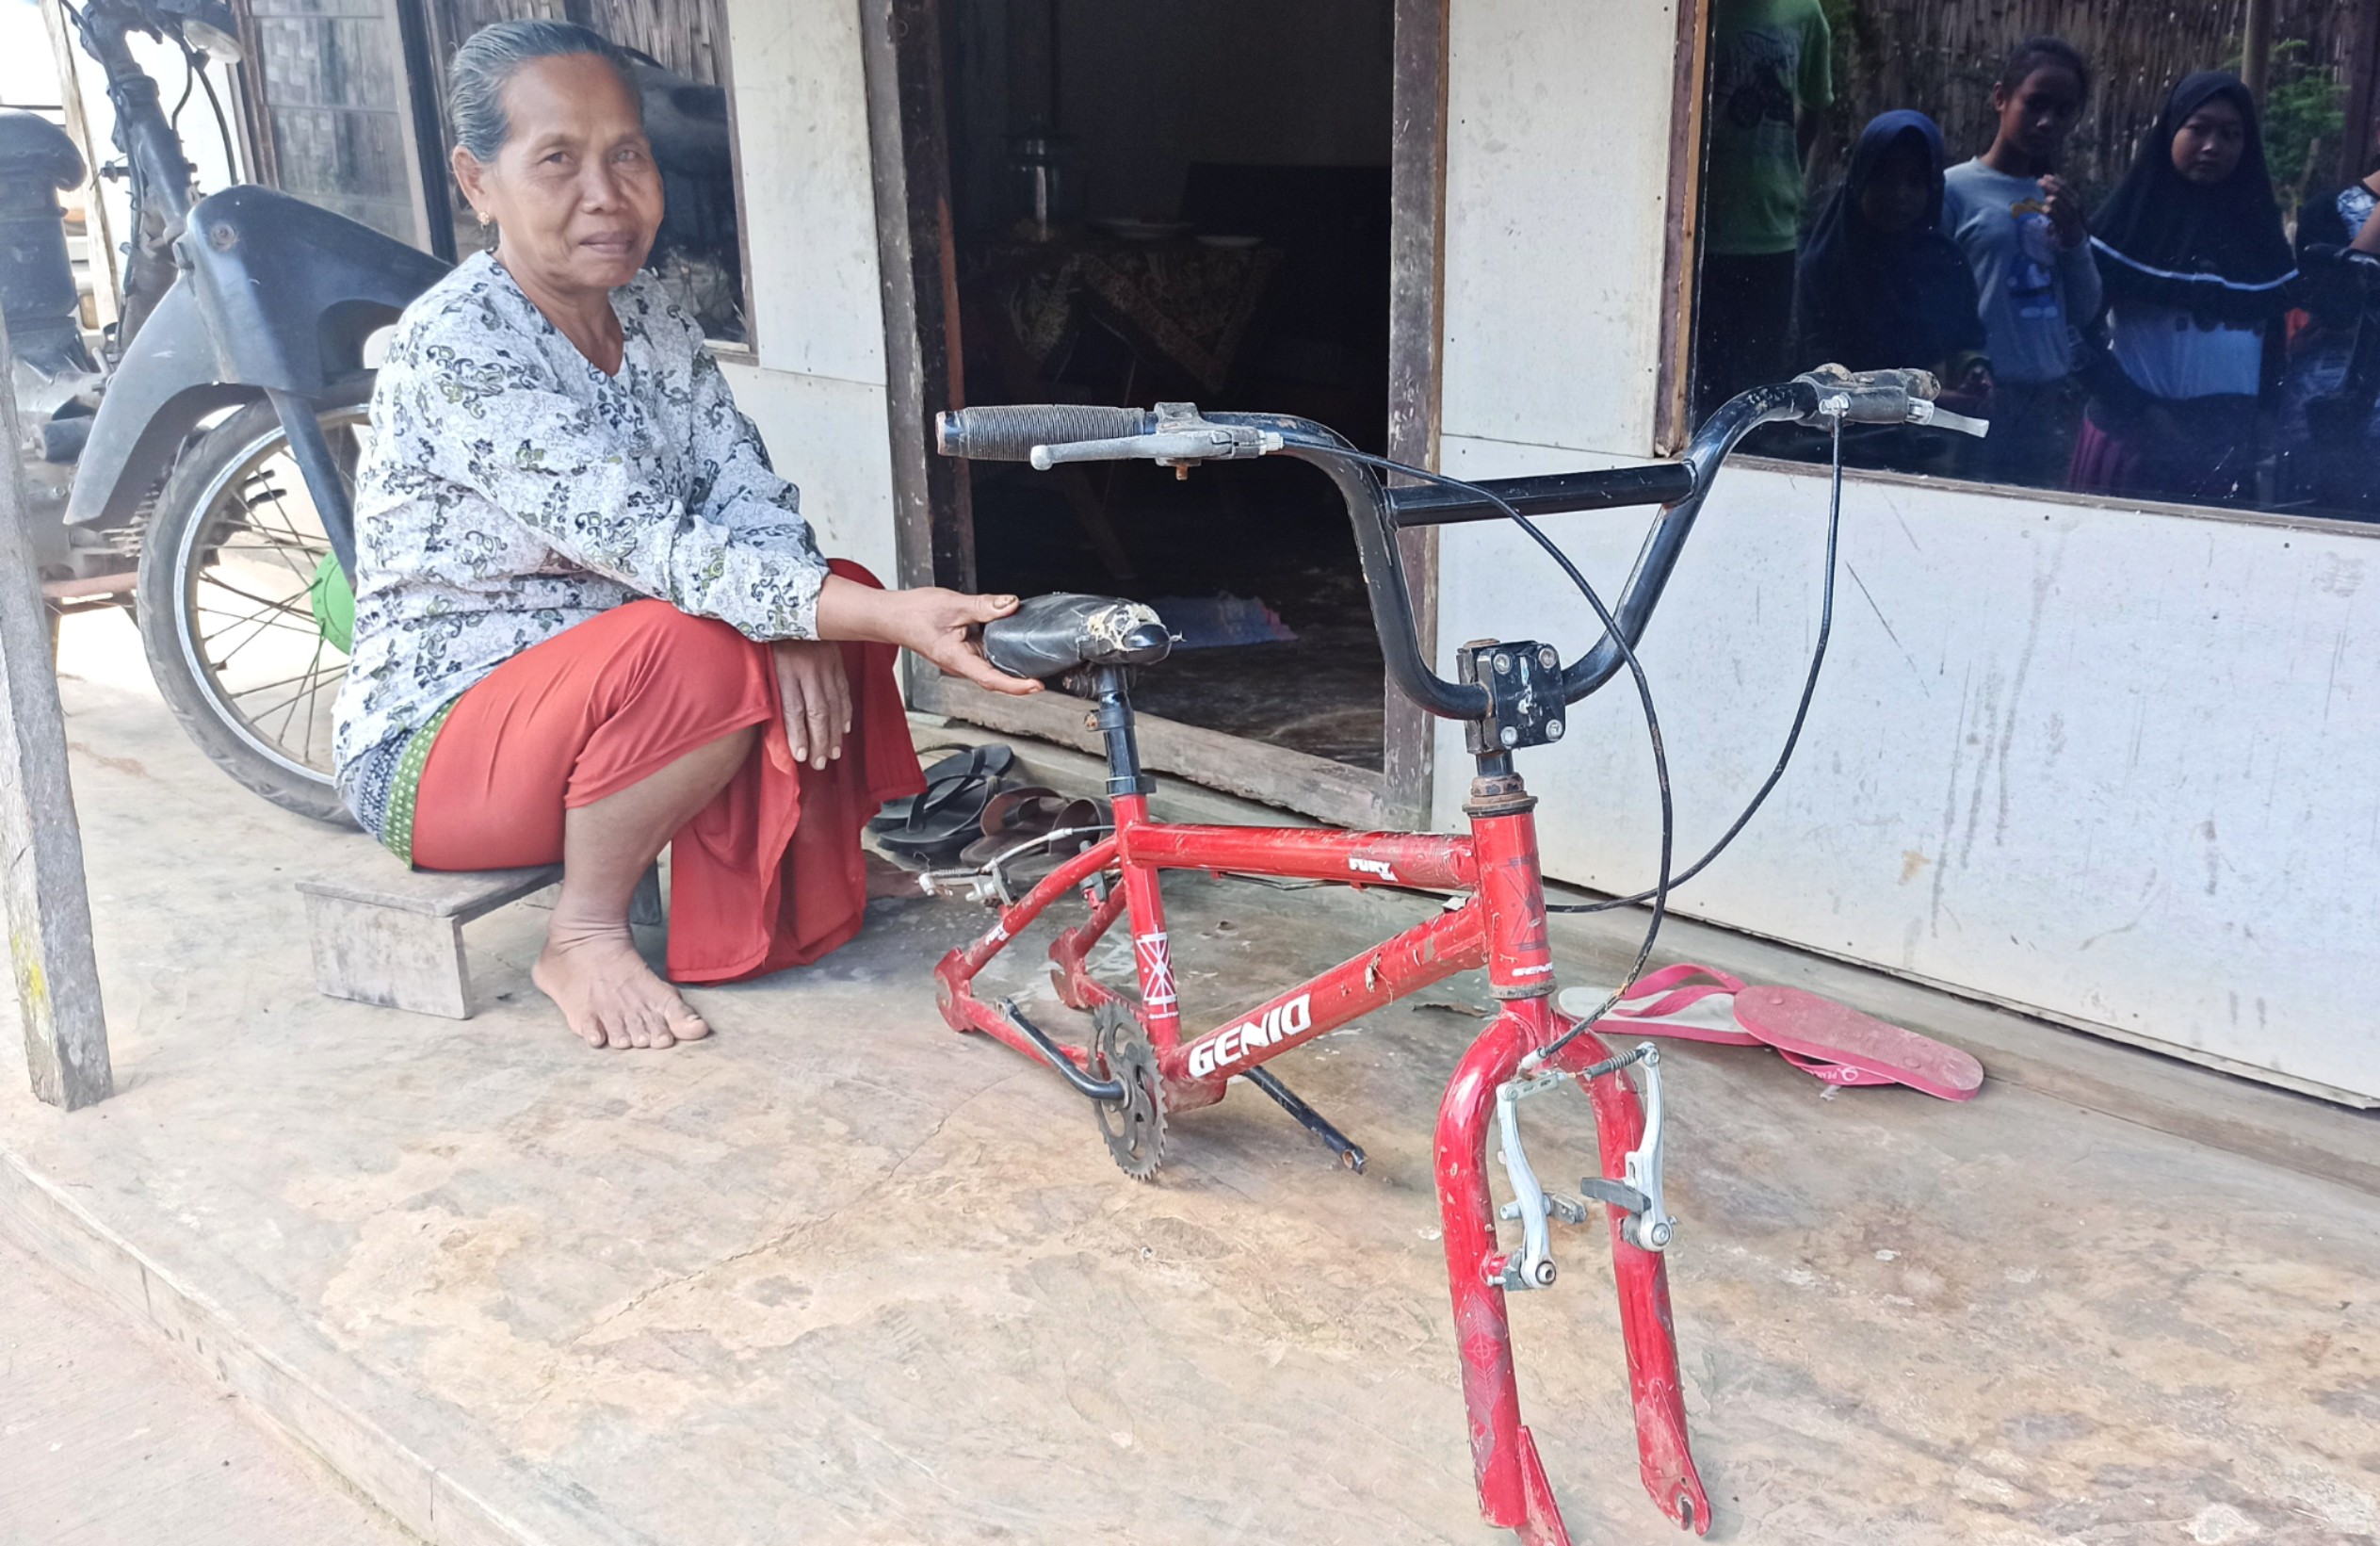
{"points": [[816, 387], [2115, 765]]}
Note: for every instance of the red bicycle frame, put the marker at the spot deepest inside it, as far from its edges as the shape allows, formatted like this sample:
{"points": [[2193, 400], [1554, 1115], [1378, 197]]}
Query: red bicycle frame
{"points": [[1498, 921], [1510, 696]]}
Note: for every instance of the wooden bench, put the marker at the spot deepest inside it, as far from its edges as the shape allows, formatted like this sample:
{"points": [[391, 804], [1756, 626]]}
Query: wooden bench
{"points": [[393, 937]]}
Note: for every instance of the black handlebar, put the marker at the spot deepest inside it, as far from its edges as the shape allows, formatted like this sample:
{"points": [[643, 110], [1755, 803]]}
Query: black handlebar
{"points": [[1012, 433], [1610, 488]]}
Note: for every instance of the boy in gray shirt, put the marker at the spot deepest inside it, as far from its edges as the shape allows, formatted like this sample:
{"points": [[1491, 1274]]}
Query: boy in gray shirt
{"points": [[2021, 230]]}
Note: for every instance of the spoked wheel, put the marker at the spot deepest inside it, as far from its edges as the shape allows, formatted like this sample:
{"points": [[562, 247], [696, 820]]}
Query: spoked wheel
{"points": [[244, 614], [1134, 1127]]}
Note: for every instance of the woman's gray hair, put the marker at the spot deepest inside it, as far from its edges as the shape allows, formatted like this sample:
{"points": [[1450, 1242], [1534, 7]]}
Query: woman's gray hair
{"points": [[490, 56]]}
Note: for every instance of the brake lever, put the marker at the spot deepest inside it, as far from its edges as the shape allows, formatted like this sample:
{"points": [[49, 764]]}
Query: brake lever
{"points": [[1167, 448], [1937, 416]]}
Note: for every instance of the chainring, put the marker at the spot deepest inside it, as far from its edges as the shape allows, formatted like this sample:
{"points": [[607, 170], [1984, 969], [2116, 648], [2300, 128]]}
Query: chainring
{"points": [[1134, 1127]]}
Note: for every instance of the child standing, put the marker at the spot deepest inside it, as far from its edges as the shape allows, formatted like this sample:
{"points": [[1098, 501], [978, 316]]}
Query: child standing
{"points": [[1881, 286], [2330, 399], [2194, 263], [2022, 232], [1770, 76]]}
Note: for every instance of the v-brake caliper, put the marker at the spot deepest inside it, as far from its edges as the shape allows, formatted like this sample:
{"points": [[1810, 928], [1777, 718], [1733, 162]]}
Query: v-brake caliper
{"points": [[1636, 1193]]}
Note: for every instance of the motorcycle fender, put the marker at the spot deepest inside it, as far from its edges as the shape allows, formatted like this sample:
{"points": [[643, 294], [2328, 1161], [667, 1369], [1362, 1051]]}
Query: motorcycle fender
{"points": [[167, 381], [274, 293]]}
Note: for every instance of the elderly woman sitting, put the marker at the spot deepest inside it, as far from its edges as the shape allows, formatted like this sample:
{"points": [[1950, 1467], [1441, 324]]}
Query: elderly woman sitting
{"points": [[590, 620]]}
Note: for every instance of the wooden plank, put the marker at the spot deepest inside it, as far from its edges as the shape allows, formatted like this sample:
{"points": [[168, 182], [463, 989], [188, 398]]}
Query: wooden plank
{"points": [[105, 261], [1416, 309], [2256, 48], [43, 896], [1672, 409], [2362, 115], [1349, 797], [370, 953], [916, 265], [462, 895]]}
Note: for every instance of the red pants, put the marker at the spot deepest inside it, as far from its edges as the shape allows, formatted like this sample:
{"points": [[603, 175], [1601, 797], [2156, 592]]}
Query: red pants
{"points": [[769, 873]]}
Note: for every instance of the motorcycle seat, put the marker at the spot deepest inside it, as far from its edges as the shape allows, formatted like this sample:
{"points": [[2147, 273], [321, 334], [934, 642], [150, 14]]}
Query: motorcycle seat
{"points": [[1049, 635]]}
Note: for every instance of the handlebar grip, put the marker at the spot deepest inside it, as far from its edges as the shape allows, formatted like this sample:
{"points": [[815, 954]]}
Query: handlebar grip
{"points": [[1872, 396], [1008, 433]]}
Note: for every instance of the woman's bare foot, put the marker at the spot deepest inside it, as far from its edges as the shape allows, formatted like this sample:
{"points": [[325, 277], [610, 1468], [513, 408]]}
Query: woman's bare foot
{"points": [[609, 996]]}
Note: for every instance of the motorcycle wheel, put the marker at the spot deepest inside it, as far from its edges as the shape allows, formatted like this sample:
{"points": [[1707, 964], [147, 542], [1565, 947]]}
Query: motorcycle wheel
{"points": [[229, 567]]}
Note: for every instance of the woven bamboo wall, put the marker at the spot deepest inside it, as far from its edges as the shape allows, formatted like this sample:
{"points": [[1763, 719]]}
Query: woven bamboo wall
{"points": [[1941, 57]]}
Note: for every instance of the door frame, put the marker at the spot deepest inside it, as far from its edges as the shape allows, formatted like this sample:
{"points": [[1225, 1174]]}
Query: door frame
{"points": [[903, 49]]}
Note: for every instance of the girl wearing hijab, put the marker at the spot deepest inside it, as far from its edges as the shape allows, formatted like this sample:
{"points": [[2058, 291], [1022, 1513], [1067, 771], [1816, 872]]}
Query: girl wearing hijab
{"points": [[2194, 263], [1880, 285], [2330, 399]]}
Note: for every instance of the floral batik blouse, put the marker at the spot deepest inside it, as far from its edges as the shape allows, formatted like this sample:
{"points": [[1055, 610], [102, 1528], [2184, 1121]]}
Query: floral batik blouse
{"points": [[511, 490]]}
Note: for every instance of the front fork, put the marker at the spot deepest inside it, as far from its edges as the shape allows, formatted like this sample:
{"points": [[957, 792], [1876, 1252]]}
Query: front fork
{"points": [[1514, 1492]]}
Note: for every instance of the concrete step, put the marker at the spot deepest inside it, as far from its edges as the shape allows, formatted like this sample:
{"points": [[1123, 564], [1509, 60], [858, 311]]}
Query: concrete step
{"points": [[108, 1439]]}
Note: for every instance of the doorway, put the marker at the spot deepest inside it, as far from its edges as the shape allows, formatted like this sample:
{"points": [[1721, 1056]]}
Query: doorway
{"points": [[1225, 202]]}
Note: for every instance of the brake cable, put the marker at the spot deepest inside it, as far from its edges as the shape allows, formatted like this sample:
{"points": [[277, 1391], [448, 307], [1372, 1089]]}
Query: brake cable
{"points": [[1666, 880], [1801, 710], [1636, 671]]}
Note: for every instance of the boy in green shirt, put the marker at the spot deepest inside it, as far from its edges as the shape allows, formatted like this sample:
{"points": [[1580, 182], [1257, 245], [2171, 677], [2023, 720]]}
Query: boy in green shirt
{"points": [[1770, 75]]}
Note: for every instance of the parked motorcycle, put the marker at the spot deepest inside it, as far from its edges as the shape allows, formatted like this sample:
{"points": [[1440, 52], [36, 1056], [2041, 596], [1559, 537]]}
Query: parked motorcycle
{"points": [[201, 473], [201, 470]]}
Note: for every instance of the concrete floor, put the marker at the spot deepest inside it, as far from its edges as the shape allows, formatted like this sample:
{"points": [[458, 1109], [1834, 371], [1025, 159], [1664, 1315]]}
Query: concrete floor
{"points": [[839, 1276], [108, 1439]]}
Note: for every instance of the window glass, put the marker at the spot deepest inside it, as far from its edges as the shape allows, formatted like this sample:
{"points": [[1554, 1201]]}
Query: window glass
{"points": [[2153, 277]]}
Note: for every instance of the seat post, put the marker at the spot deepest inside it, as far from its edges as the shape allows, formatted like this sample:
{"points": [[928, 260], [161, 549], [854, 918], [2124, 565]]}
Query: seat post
{"points": [[1115, 727]]}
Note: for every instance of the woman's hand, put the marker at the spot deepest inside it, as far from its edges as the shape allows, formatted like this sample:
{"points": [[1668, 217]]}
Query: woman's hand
{"points": [[817, 695], [944, 627], [937, 624], [1970, 391]]}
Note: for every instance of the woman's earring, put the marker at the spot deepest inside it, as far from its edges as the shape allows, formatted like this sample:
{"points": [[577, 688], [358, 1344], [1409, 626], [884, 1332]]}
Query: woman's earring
{"points": [[483, 214]]}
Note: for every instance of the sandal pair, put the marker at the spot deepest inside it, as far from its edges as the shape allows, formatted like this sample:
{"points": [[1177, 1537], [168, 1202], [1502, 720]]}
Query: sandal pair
{"points": [[1831, 1042], [1028, 832]]}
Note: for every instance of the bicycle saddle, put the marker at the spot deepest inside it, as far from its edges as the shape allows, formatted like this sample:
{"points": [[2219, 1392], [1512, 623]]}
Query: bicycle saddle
{"points": [[1050, 634]]}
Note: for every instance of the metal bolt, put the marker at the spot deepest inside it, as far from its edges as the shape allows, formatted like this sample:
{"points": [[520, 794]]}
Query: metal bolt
{"points": [[1510, 736], [1553, 730], [223, 237], [1503, 663], [1547, 657]]}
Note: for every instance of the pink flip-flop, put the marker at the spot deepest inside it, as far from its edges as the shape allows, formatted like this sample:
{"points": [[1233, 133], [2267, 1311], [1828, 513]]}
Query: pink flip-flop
{"points": [[1828, 1041], [1685, 1001], [1850, 1048]]}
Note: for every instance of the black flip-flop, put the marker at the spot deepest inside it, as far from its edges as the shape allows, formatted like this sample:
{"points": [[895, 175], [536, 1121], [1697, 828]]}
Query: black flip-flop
{"points": [[942, 821], [991, 759]]}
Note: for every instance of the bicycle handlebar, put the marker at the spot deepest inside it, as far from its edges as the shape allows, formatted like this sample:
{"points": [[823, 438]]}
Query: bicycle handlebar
{"points": [[1178, 434]]}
